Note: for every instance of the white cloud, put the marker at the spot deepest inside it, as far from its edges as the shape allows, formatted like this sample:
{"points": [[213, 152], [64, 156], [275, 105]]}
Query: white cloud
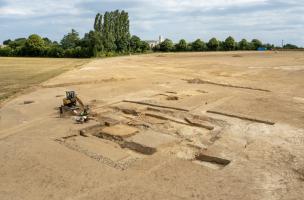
{"points": [[35, 8], [270, 20], [180, 5], [45, 7], [6, 11]]}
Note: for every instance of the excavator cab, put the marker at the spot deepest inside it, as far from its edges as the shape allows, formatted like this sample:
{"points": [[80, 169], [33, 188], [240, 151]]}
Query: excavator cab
{"points": [[70, 100], [70, 94], [73, 105]]}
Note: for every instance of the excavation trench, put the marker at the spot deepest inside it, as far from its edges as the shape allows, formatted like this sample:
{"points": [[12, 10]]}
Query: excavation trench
{"points": [[138, 148], [199, 81], [220, 162]]}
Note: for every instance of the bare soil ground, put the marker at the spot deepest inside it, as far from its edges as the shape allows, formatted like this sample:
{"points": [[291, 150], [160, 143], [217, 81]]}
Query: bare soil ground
{"points": [[166, 126]]}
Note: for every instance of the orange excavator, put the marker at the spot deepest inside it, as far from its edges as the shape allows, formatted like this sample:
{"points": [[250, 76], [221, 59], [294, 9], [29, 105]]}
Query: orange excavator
{"points": [[74, 105]]}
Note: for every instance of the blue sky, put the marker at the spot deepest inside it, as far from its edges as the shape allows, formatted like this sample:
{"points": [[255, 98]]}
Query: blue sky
{"points": [[269, 20]]}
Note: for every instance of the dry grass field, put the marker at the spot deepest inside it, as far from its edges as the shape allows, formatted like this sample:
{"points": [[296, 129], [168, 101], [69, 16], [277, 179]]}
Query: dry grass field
{"points": [[17, 74], [205, 126]]}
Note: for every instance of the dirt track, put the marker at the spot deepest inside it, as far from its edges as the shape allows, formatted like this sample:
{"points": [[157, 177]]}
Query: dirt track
{"points": [[250, 160]]}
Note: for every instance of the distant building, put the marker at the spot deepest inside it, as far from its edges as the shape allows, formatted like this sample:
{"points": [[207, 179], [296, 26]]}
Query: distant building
{"points": [[2, 46], [153, 43]]}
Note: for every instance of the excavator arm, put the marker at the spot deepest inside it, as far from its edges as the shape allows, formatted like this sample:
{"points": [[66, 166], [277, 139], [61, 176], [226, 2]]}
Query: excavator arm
{"points": [[80, 103]]}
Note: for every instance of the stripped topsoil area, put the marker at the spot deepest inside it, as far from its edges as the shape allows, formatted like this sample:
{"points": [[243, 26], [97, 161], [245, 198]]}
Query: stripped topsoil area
{"points": [[164, 126]]}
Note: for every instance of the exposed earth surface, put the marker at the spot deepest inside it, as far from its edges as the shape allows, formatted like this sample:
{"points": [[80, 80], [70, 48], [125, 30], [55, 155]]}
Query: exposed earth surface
{"points": [[164, 126]]}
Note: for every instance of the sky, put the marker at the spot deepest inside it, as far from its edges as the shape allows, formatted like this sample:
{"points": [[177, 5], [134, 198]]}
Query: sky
{"points": [[269, 20]]}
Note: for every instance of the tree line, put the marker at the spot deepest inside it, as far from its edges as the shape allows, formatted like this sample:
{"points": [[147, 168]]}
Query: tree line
{"points": [[212, 45], [110, 36], [216, 45]]}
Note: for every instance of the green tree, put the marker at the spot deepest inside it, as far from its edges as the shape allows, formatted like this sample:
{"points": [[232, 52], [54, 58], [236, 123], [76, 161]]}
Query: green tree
{"points": [[156, 48], [229, 44], [70, 40], [290, 46], [47, 41], [213, 44], [19, 42], [135, 44], [244, 45], [256, 44], [34, 46], [144, 46], [123, 27], [14, 44], [269, 46], [6, 51], [221, 46], [91, 44], [113, 31], [55, 51], [198, 45], [6, 42], [108, 32], [182, 45], [166, 45], [94, 39], [98, 23]]}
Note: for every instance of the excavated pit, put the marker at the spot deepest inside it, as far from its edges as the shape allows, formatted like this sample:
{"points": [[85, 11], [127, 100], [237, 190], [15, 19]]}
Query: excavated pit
{"points": [[146, 129], [103, 151], [148, 142], [117, 132], [138, 148]]}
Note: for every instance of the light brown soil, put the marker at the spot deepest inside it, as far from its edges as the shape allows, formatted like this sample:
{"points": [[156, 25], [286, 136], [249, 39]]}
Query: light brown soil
{"points": [[44, 157]]}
